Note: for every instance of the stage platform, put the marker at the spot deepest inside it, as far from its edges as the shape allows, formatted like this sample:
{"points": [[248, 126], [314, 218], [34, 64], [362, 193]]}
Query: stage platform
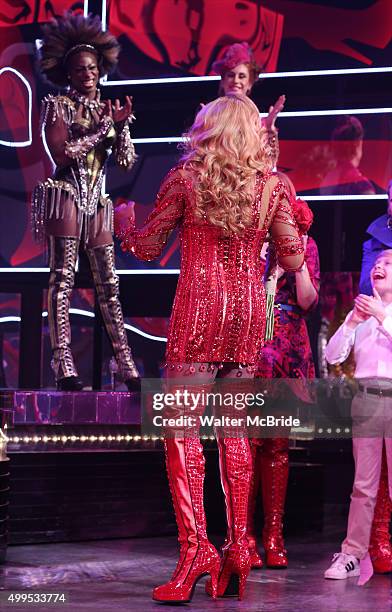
{"points": [[81, 470], [72, 408], [69, 421], [120, 575]]}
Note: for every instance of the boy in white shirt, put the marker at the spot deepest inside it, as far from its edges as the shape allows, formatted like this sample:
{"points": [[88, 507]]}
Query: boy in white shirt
{"points": [[367, 328]]}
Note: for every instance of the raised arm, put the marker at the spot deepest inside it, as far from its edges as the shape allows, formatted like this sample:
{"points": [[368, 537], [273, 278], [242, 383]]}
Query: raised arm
{"points": [[271, 147], [270, 132], [279, 217], [148, 242]]}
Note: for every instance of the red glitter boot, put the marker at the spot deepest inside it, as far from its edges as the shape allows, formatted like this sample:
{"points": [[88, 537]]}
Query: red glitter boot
{"points": [[274, 478], [380, 549], [235, 466], [185, 467], [255, 558]]}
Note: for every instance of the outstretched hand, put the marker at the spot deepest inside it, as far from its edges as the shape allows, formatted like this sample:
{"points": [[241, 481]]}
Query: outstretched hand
{"points": [[273, 111], [124, 217], [122, 113]]}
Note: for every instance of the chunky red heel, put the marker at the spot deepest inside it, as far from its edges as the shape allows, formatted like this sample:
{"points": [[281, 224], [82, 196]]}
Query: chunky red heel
{"points": [[235, 467], [181, 587], [234, 572], [214, 573]]}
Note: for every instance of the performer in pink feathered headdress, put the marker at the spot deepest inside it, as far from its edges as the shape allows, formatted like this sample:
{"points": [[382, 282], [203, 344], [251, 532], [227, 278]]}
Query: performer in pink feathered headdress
{"points": [[239, 72], [237, 54]]}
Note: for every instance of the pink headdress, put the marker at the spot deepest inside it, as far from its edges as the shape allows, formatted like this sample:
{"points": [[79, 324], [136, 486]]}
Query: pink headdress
{"points": [[238, 53]]}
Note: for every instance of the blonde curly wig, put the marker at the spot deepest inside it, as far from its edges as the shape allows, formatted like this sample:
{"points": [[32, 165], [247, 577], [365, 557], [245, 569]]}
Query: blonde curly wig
{"points": [[72, 34], [224, 149]]}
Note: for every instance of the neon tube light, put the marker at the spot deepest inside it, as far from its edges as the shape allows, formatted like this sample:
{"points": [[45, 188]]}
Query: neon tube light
{"points": [[24, 143], [91, 315]]}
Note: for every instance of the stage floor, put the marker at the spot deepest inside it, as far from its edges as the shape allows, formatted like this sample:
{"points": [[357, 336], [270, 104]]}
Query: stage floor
{"points": [[120, 574]]}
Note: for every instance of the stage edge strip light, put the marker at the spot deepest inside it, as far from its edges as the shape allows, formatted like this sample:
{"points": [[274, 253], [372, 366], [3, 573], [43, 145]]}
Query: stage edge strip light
{"points": [[64, 439], [25, 143], [87, 438], [91, 315]]}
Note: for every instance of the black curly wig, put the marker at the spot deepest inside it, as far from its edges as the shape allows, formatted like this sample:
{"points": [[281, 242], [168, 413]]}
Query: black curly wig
{"points": [[65, 36]]}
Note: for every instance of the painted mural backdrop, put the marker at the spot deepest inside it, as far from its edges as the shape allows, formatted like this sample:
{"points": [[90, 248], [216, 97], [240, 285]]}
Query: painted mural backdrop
{"points": [[181, 37], [174, 37]]}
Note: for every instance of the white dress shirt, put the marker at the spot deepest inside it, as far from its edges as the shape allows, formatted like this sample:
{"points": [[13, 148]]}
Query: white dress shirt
{"points": [[372, 343]]}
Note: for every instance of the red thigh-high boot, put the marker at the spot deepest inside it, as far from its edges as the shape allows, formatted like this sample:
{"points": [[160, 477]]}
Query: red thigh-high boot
{"points": [[380, 540], [185, 468], [274, 477], [255, 559], [235, 464]]}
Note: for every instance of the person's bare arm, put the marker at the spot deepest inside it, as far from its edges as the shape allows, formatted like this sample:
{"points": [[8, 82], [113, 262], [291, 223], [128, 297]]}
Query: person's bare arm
{"points": [[307, 279]]}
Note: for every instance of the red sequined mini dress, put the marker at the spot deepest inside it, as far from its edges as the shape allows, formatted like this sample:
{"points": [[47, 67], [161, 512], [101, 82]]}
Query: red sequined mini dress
{"points": [[219, 309]]}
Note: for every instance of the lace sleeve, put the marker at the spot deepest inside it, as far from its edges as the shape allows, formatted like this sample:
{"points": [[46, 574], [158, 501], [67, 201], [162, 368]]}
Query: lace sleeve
{"points": [[148, 242], [284, 231]]}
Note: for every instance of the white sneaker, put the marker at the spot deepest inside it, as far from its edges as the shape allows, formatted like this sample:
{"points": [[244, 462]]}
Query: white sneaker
{"points": [[343, 566]]}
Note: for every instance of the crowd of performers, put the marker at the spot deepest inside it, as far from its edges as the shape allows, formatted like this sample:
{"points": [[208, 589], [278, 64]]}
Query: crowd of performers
{"points": [[229, 205]]}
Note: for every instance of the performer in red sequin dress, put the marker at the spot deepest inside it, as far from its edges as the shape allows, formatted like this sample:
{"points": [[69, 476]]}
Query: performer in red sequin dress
{"points": [[287, 355], [224, 204]]}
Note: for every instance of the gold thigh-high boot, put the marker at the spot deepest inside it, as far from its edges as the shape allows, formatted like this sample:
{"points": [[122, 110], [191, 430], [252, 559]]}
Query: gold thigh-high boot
{"points": [[63, 254], [107, 286]]}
